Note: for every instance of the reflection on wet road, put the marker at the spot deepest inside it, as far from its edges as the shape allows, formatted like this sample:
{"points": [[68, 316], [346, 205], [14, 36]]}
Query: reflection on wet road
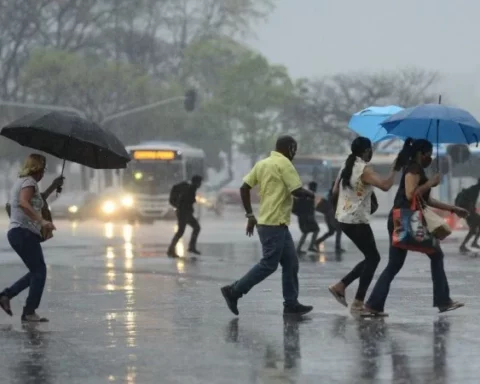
{"points": [[122, 312]]}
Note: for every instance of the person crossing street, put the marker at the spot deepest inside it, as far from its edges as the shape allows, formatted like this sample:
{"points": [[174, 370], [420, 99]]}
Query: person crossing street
{"points": [[278, 181]]}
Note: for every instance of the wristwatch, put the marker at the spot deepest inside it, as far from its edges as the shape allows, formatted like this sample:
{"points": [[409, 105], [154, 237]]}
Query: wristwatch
{"points": [[249, 215]]}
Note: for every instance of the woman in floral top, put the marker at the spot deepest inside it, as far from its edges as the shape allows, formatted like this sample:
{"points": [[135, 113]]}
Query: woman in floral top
{"points": [[354, 186]]}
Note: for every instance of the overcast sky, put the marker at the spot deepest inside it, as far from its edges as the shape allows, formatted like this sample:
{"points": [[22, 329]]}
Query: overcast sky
{"points": [[316, 37]]}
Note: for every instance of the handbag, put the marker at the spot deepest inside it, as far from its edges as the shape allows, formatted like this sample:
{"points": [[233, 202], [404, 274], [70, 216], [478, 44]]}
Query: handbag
{"points": [[410, 229], [436, 225], [373, 204]]}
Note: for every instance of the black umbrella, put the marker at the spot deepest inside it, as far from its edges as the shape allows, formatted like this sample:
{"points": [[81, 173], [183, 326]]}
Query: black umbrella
{"points": [[69, 137]]}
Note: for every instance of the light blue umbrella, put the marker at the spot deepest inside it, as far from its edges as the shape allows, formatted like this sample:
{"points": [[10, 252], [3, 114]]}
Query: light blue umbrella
{"points": [[436, 123], [367, 122]]}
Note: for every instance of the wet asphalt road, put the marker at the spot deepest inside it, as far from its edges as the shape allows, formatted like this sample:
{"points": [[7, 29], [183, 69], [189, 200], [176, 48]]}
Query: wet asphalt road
{"points": [[121, 312]]}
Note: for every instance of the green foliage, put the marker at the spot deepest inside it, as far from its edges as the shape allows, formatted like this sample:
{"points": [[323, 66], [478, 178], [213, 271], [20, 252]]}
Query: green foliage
{"points": [[255, 93]]}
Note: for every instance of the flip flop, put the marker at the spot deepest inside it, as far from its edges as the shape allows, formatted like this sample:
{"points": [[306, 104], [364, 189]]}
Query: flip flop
{"points": [[338, 296]]}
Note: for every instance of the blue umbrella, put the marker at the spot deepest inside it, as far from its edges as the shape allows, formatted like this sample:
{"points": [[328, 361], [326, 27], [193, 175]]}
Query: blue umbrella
{"points": [[367, 122], [436, 123]]}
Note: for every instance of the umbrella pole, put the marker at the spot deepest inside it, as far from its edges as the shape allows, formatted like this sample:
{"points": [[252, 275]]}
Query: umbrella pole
{"points": [[59, 189], [438, 139]]}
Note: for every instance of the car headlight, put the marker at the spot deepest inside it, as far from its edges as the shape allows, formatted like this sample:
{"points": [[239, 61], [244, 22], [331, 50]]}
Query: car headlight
{"points": [[127, 201], [109, 207], [201, 200], [73, 209]]}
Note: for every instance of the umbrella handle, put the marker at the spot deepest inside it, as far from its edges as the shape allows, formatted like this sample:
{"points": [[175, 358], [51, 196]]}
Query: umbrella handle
{"points": [[59, 189]]}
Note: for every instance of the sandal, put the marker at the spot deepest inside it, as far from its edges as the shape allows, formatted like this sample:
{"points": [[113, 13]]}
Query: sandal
{"points": [[338, 296], [451, 306], [5, 304]]}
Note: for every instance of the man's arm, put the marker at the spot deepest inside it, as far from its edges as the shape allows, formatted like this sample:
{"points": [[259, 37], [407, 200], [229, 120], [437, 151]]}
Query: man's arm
{"points": [[302, 192], [246, 198], [292, 180], [249, 182]]}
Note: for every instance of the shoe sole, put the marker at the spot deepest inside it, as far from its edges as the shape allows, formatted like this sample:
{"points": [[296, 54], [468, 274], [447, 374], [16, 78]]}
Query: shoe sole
{"points": [[371, 315], [452, 308], [41, 320], [229, 303], [298, 313]]}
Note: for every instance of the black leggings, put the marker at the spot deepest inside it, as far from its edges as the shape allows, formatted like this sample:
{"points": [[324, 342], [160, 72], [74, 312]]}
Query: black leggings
{"points": [[362, 237]]}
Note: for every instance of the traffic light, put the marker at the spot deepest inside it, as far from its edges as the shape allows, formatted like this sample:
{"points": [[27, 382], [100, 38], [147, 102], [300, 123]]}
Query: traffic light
{"points": [[190, 99]]}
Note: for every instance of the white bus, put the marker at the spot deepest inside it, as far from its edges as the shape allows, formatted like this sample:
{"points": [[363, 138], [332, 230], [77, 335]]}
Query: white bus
{"points": [[155, 167]]}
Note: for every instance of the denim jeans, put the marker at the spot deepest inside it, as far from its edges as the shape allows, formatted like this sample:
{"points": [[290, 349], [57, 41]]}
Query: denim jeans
{"points": [[396, 259], [27, 245], [278, 248]]}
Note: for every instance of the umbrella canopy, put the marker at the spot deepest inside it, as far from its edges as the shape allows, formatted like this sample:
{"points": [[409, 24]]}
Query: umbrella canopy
{"points": [[436, 123], [69, 137], [366, 123]]}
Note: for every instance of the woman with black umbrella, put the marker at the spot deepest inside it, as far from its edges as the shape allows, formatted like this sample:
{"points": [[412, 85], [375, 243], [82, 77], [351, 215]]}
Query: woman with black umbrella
{"points": [[27, 230]]}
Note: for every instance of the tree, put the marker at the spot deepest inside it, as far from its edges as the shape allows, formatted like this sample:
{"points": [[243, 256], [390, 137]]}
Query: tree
{"points": [[321, 109], [96, 87], [70, 25], [255, 93], [150, 34]]}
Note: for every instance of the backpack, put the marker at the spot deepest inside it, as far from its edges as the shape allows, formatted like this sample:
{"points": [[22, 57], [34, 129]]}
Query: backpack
{"points": [[176, 193], [462, 198], [296, 206]]}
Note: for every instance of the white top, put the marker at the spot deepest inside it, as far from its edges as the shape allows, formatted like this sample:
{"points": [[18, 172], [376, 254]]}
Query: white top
{"points": [[354, 204], [18, 218]]}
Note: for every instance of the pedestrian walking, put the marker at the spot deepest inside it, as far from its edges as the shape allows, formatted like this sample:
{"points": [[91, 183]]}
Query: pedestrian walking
{"points": [[304, 207], [27, 230], [355, 185], [327, 207], [415, 156], [467, 199], [183, 197], [278, 181]]}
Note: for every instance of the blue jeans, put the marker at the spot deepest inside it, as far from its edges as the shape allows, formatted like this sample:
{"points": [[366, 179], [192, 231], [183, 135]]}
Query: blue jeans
{"points": [[27, 245], [396, 259], [278, 248]]}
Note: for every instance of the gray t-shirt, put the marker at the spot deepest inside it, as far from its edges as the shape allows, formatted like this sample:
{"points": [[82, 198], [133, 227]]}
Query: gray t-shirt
{"points": [[18, 217]]}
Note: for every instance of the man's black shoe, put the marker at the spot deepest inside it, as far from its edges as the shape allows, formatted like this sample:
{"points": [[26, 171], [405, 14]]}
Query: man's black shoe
{"points": [[297, 309], [230, 298], [194, 251]]}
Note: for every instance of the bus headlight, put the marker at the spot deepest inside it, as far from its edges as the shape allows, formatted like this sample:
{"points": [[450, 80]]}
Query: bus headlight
{"points": [[109, 207], [127, 201], [73, 209]]}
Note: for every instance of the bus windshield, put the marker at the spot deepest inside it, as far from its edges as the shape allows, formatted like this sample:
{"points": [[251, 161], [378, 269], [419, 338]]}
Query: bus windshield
{"points": [[152, 177]]}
